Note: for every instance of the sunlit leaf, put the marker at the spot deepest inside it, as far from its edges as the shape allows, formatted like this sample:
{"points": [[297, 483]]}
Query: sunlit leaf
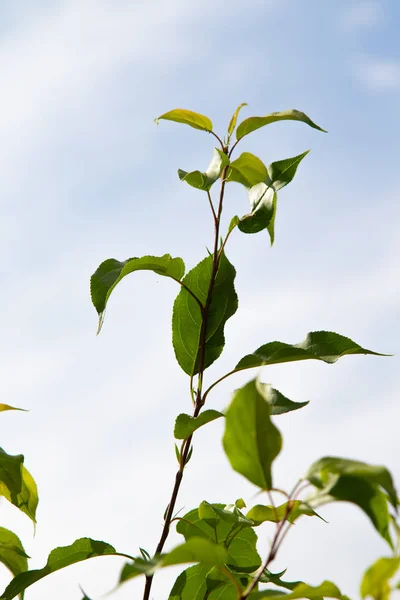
{"points": [[281, 172], [17, 484], [318, 345], [194, 584], [4, 407], [233, 121], [375, 582], [59, 558], [187, 117], [251, 441], [253, 123], [112, 271], [204, 181], [185, 425], [248, 170], [187, 317], [262, 203]]}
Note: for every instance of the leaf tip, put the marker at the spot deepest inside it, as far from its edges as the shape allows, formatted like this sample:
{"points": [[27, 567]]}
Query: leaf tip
{"points": [[99, 327]]}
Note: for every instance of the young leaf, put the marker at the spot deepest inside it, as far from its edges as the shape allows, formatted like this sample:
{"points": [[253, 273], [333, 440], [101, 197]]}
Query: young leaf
{"points": [[281, 172], [318, 345], [362, 493], [4, 407], [233, 121], [253, 123], [204, 181], [262, 201], [17, 484], [248, 170], [196, 549], [288, 511], [327, 589], [375, 582], [271, 224], [59, 558], [185, 425], [187, 117], [112, 271], [12, 553], [187, 317], [251, 441], [319, 474], [278, 403]]}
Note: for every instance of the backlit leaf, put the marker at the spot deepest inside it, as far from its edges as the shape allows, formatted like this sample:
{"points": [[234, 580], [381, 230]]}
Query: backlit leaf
{"points": [[281, 172], [253, 123], [204, 181], [12, 553], [327, 589], [248, 170], [375, 582], [112, 271], [17, 484], [140, 566], [59, 558], [185, 425], [251, 441], [289, 511], [187, 317], [194, 584], [233, 121], [196, 549], [187, 117]]}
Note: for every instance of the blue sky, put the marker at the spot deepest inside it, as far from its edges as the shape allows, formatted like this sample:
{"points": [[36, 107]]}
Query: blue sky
{"points": [[87, 175]]}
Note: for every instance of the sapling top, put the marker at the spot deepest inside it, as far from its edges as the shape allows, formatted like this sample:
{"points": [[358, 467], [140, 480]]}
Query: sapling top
{"points": [[220, 540]]}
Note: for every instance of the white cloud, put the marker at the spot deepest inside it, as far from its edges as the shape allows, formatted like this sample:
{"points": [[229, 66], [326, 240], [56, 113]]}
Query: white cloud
{"points": [[364, 15], [378, 73]]}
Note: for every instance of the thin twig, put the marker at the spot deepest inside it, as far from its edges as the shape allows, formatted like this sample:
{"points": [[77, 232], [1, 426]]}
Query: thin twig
{"points": [[211, 205], [189, 291], [219, 139]]}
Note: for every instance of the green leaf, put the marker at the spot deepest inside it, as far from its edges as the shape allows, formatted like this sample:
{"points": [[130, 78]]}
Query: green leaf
{"points": [[281, 172], [59, 558], [112, 271], [320, 472], [17, 484], [4, 407], [278, 403], [196, 549], [187, 317], [234, 222], [230, 527], [248, 170], [251, 441], [262, 202], [275, 578], [327, 589], [185, 425], [187, 117], [271, 224], [192, 583], [204, 181], [289, 511], [12, 553], [362, 493], [375, 582], [253, 123], [140, 566], [318, 345], [233, 121]]}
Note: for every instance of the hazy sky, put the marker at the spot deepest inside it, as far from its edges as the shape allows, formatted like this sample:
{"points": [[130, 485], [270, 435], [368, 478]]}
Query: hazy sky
{"points": [[86, 175]]}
